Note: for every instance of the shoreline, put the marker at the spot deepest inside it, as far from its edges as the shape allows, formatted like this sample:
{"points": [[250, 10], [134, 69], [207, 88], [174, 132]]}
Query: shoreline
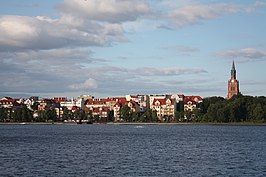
{"points": [[190, 123], [141, 123]]}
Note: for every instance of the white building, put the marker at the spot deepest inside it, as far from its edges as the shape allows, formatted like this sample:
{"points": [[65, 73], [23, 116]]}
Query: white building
{"points": [[142, 100], [80, 103]]}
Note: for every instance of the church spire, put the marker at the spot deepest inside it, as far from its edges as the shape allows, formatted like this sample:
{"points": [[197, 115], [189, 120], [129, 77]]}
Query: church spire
{"points": [[233, 84], [233, 65], [233, 71]]}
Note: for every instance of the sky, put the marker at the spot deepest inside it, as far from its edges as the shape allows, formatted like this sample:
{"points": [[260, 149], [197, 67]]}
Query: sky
{"points": [[111, 48]]}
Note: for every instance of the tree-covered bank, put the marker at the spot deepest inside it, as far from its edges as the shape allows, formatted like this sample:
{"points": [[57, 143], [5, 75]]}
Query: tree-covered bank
{"points": [[237, 109]]}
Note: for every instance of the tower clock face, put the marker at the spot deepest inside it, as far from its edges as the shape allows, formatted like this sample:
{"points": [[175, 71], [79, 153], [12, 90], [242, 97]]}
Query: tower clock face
{"points": [[232, 80]]}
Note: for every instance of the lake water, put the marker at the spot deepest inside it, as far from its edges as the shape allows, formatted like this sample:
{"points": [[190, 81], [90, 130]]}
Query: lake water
{"points": [[132, 150]]}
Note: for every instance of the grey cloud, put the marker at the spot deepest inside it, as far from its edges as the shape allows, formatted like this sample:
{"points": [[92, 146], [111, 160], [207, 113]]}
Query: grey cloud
{"points": [[198, 13], [86, 85], [182, 50], [244, 54], [168, 71], [34, 77], [146, 71]]}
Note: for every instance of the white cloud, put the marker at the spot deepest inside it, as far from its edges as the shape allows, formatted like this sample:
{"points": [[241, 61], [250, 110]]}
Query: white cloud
{"points": [[198, 13], [86, 85], [255, 6], [113, 11], [36, 33], [245, 54]]}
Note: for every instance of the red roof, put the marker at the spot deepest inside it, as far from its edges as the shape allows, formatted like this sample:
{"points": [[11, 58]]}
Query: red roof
{"points": [[189, 100], [74, 108], [119, 100], [162, 101], [197, 99], [9, 102]]}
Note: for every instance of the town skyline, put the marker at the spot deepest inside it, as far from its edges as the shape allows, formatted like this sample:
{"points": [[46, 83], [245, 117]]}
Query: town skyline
{"points": [[115, 48]]}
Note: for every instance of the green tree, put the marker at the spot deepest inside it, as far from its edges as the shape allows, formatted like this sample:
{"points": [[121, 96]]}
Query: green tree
{"points": [[4, 114], [22, 114], [258, 113], [96, 118], [209, 101], [35, 106], [110, 115], [65, 114], [125, 113]]}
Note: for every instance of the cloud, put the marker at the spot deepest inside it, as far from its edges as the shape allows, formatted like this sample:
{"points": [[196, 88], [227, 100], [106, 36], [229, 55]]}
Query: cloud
{"points": [[86, 85], [198, 13], [167, 71], [245, 54], [43, 33], [54, 55], [130, 73], [113, 11], [255, 6], [182, 50], [61, 76]]}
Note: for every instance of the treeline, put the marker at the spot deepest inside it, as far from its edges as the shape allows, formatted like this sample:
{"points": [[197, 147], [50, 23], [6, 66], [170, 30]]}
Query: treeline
{"points": [[21, 114], [237, 109]]}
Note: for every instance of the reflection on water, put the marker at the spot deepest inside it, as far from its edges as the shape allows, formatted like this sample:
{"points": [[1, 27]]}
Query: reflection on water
{"points": [[132, 150]]}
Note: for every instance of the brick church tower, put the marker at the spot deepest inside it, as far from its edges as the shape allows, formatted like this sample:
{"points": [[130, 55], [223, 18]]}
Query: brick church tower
{"points": [[233, 84]]}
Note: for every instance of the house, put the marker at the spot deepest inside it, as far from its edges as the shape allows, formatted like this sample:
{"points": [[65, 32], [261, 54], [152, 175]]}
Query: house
{"points": [[100, 106], [134, 107], [29, 102], [191, 102], [142, 100], [69, 104], [47, 103], [100, 112], [9, 103], [189, 105], [59, 99], [165, 108]]}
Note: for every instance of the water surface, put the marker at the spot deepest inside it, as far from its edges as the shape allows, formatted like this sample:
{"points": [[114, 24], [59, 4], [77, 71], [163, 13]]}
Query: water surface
{"points": [[131, 150]]}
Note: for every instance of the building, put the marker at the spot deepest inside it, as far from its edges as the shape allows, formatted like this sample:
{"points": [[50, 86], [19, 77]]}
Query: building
{"points": [[69, 104], [134, 107], [191, 103], [47, 103], [142, 100], [9, 103], [233, 84], [165, 108]]}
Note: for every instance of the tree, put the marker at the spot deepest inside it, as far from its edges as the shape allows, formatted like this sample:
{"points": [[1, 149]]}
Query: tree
{"points": [[179, 116], [50, 114], [125, 113], [110, 115], [209, 101], [22, 114], [96, 118], [35, 106], [258, 113], [65, 114], [4, 114]]}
